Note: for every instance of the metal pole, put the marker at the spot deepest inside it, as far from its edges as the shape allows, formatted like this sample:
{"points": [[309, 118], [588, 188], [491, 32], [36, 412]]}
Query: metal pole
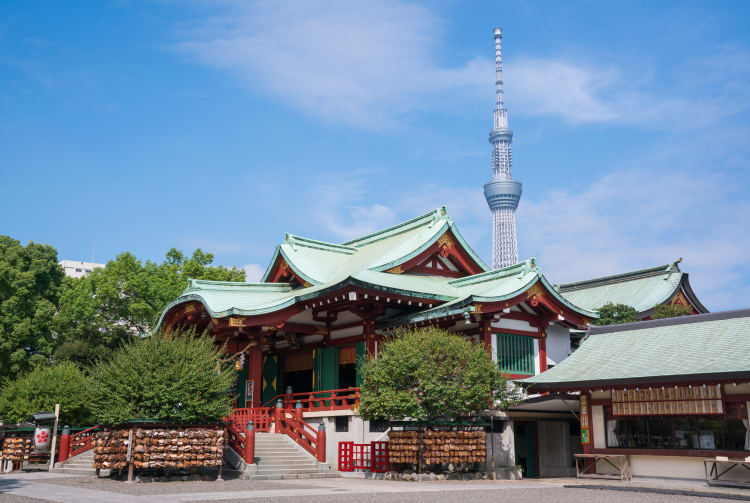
{"points": [[54, 438]]}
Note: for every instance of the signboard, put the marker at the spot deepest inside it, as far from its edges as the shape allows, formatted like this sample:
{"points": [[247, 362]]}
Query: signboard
{"points": [[249, 389], [668, 401], [583, 409]]}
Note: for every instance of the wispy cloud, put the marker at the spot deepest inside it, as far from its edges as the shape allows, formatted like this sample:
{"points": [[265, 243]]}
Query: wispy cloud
{"points": [[359, 63], [580, 92]]}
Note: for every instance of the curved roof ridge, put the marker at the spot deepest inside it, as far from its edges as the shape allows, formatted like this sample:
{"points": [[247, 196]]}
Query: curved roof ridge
{"points": [[205, 284], [626, 276], [503, 272], [294, 240], [427, 218]]}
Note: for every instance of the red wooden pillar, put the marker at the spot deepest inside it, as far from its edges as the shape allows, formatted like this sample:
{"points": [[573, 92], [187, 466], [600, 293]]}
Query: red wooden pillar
{"points": [[250, 443], [543, 351], [368, 329], [320, 444], [64, 453], [255, 373], [487, 334]]}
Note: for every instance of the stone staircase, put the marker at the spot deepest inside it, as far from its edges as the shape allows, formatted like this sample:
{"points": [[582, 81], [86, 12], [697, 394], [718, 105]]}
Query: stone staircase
{"points": [[79, 465], [277, 457]]}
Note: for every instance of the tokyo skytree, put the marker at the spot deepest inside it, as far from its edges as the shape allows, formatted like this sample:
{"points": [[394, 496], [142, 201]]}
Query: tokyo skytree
{"points": [[503, 192]]}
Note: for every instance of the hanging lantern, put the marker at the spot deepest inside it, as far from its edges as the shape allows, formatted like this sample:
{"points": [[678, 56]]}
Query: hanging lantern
{"points": [[237, 365]]}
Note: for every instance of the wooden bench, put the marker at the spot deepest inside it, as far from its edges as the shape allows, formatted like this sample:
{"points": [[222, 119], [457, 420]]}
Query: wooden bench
{"points": [[620, 462], [714, 474]]}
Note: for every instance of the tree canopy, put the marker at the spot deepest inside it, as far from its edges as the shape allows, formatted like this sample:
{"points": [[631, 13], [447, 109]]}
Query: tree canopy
{"points": [[124, 299], [164, 377], [42, 388], [30, 285], [431, 374], [670, 311], [616, 314]]}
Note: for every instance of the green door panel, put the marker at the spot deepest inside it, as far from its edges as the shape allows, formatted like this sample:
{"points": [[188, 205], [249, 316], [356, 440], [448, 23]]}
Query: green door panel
{"points": [[272, 367]]}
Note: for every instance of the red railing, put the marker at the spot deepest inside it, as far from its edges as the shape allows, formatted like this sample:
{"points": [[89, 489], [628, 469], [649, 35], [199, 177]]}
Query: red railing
{"points": [[370, 457], [75, 444], [334, 399], [261, 417], [286, 421], [82, 441], [290, 422]]}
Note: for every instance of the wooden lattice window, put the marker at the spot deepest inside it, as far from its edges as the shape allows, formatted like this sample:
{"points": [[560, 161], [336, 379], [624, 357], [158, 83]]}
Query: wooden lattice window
{"points": [[515, 354]]}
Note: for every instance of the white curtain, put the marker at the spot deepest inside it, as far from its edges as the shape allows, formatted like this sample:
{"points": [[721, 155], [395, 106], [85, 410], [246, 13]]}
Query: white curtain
{"points": [[611, 435], [747, 434]]}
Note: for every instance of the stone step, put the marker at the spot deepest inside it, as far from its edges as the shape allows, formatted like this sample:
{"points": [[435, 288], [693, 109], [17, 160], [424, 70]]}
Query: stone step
{"points": [[80, 471], [266, 471], [276, 464]]}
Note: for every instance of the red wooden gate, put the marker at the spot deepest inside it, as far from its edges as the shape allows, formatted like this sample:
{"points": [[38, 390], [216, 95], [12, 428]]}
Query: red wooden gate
{"points": [[369, 457]]}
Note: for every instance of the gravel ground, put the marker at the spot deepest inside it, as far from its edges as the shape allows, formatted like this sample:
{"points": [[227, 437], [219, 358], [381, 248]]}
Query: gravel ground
{"points": [[135, 489], [552, 495], [12, 498]]}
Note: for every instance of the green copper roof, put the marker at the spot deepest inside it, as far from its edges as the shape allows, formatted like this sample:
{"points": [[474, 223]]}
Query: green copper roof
{"points": [[318, 262], [642, 289], [362, 262], [668, 350]]}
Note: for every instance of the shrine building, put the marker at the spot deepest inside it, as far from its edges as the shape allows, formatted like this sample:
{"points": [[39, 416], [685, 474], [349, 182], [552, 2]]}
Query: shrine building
{"points": [[319, 306]]}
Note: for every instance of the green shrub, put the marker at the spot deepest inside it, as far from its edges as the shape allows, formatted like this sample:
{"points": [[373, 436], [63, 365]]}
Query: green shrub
{"points": [[42, 388], [616, 314], [431, 374], [670, 311], [167, 378]]}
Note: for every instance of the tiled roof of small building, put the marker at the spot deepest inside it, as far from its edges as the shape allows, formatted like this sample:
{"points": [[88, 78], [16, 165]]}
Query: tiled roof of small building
{"points": [[714, 345]]}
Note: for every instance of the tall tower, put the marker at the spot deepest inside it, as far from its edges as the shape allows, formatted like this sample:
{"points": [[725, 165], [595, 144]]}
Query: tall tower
{"points": [[502, 192]]}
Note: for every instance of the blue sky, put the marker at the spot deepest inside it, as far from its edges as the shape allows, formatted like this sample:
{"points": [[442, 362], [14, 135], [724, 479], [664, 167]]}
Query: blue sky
{"points": [[144, 125]]}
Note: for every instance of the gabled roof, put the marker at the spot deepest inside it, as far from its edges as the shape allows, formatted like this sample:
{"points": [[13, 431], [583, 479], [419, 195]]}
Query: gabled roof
{"points": [[317, 262], [643, 289], [714, 345], [488, 287], [373, 261]]}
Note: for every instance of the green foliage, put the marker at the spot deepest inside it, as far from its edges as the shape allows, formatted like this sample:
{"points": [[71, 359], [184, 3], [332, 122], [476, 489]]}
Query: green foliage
{"points": [[616, 314], [42, 388], [30, 283], [168, 378], [123, 300], [670, 311], [431, 374]]}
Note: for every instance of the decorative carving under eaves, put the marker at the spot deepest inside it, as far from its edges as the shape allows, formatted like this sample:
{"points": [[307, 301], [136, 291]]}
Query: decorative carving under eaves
{"points": [[236, 321], [535, 293]]}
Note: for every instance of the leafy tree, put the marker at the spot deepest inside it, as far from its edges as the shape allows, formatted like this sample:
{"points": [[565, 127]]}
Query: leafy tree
{"points": [[123, 300], [670, 311], [175, 377], [615, 314], [30, 283], [431, 374], [42, 388]]}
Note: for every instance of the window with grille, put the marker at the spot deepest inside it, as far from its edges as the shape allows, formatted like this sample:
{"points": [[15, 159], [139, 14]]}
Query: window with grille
{"points": [[515, 354]]}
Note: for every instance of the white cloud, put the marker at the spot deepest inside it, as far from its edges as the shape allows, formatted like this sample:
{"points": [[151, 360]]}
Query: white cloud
{"points": [[361, 63], [253, 272]]}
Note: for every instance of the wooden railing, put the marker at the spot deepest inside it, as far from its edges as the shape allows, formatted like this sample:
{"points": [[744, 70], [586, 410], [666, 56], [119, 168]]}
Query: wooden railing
{"points": [[82, 441], [285, 421], [261, 417], [335, 399], [290, 422]]}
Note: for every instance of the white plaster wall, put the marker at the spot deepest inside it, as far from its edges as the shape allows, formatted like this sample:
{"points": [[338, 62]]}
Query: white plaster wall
{"points": [[513, 325], [537, 368], [681, 467], [558, 344], [359, 431], [597, 427]]}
